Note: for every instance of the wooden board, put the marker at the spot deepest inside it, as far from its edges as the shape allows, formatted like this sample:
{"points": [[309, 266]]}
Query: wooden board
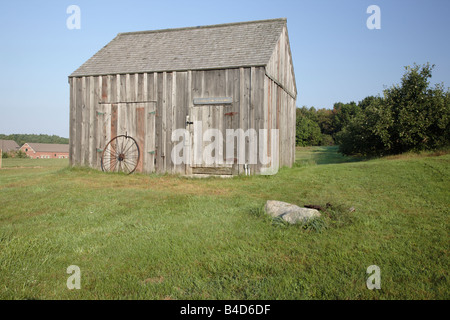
{"points": [[212, 170]]}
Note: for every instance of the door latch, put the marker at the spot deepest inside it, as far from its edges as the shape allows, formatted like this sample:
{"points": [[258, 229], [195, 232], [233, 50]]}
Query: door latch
{"points": [[187, 120]]}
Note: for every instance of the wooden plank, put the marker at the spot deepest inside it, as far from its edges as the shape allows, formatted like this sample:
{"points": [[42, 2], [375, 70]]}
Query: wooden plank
{"points": [[276, 115], [104, 89], [247, 108], [188, 169], [108, 124], [213, 100], [114, 121], [236, 108], [92, 109], [150, 124], [253, 113], [168, 123], [260, 108], [263, 145], [164, 122], [212, 170], [242, 112], [140, 128], [173, 120], [78, 124], [143, 95], [206, 124], [97, 98], [181, 105], [159, 122], [197, 82], [83, 126], [99, 115], [127, 109], [150, 141], [118, 87], [227, 119], [72, 122]]}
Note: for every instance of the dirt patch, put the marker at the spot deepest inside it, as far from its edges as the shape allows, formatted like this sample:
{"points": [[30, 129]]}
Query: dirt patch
{"points": [[159, 279]]}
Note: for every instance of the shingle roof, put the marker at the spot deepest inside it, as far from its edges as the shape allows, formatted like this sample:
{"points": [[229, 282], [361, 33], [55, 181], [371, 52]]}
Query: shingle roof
{"points": [[241, 44], [8, 145], [49, 147]]}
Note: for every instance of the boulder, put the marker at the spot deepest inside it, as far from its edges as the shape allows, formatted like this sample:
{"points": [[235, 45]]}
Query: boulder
{"points": [[290, 212]]}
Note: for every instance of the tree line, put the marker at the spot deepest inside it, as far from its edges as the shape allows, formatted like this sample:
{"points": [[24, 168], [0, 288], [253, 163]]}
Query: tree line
{"points": [[410, 116], [36, 138]]}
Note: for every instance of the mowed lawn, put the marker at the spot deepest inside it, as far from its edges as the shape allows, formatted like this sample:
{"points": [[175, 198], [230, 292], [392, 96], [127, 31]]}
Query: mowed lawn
{"points": [[170, 237]]}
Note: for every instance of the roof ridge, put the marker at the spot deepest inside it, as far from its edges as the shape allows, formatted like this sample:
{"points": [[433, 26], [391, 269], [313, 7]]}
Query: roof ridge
{"points": [[45, 143], [202, 27]]}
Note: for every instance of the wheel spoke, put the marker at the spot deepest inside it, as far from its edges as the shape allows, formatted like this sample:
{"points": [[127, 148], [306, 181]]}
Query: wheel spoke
{"points": [[121, 154]]}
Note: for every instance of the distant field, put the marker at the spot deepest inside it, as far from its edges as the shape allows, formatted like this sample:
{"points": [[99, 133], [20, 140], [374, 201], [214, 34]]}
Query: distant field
{"points": [[34, 163], [320, 155], [170, 237]]}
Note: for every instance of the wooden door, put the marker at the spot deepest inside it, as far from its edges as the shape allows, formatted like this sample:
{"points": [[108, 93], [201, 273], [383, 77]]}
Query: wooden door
{"points": [[208, 140], [135, 119]]}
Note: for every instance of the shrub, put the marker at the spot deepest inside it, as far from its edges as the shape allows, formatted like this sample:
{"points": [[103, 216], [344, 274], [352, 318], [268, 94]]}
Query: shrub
{"points": [[307, 132]]}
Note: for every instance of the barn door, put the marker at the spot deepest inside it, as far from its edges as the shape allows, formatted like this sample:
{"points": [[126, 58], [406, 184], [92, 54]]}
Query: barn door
{"points": [[208, 140]]}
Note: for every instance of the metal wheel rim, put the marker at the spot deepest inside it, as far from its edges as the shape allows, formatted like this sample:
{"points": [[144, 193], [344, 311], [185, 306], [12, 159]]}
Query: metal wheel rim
{"points": [[121, 154]]}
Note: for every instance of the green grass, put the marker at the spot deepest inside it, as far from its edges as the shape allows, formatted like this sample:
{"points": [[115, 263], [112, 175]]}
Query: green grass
{"points": [[34, 163], [320, 155], [170, 237]]}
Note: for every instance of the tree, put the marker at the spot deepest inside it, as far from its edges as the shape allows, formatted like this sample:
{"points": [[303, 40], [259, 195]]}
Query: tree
{"points": [[410, 116], [421, 113], [343, 113], [325, 121], [308, 132], [367, 133]]}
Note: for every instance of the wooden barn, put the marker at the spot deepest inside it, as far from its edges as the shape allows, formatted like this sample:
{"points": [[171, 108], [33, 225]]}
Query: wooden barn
{"points": [[146, 85]]}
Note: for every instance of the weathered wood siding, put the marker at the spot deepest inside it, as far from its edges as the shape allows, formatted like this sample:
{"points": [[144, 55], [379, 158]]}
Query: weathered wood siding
{"points": [[150, 106], [280, 67], [281, 98]]}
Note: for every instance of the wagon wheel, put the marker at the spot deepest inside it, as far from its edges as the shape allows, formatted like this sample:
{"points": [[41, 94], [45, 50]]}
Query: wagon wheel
{"points": [[121, 154]]}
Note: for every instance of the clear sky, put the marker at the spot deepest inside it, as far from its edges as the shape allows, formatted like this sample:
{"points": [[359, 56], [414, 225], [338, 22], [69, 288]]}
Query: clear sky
{"points": [[336, 57]]}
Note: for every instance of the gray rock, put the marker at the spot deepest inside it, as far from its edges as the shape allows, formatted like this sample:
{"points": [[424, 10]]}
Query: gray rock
{"points": [[290, 212]]}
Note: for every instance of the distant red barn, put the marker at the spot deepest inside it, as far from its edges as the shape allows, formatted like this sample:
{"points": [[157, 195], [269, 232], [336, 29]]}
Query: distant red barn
{"points": [[46, 150]]}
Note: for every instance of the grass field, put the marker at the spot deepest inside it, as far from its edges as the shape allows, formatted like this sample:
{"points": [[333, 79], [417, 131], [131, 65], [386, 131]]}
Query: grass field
{"points": [[170, 237]]}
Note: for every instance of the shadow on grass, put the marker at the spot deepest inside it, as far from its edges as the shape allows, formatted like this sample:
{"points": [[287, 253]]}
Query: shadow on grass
{"points": [[321, 155]]}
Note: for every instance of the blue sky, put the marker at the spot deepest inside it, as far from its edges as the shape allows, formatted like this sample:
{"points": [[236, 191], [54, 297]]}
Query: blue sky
{"points": [[336, 57]]}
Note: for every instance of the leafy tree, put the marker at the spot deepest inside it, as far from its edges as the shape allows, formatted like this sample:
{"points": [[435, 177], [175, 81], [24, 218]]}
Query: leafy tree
{"points": [[325, 120], [421, 113], [308, 132], [368, 132], [410, 116], [343, 114]]}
